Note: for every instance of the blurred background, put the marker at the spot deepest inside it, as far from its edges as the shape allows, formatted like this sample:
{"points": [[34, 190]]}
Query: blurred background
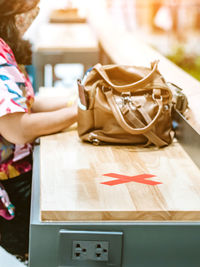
{"points": [[170, 26]]}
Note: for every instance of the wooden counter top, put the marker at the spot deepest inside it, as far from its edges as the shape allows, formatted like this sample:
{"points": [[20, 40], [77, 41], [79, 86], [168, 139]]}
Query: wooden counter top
{"points": [[72, 173]]}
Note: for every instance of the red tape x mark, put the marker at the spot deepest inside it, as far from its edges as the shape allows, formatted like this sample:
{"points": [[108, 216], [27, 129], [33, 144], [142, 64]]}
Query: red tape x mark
{"points": [[122, 179]]}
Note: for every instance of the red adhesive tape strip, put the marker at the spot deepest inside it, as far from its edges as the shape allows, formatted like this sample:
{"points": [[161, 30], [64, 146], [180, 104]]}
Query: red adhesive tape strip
{"points": [[122, 179]]}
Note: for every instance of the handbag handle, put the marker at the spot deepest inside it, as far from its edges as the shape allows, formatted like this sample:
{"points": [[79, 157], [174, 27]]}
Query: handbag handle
{"points": [[123, 88], [120, 119]]}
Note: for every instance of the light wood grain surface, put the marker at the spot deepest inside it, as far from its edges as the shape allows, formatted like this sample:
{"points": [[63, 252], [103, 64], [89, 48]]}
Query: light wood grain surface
{"points": [[72, 173]]}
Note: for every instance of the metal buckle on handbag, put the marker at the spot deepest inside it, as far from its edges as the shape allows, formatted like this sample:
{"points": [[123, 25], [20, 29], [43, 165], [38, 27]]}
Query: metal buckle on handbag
{"points": [[126, 98], [93, 139]]}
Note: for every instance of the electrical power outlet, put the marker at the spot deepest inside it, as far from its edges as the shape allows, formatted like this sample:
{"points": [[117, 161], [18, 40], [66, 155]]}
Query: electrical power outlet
{"points": [[90, 250]]}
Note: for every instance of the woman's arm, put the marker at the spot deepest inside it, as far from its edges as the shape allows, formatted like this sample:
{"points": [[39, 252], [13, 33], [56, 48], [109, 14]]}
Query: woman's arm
{"points": [[42, 104], [22, 128]]}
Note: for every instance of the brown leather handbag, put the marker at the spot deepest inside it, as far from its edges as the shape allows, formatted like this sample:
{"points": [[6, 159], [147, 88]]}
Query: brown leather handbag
{"points": [[125, 105]]}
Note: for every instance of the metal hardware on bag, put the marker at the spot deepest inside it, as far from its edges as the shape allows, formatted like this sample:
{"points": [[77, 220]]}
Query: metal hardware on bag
{"points": [[179, 99], [96, 142], [126, 98], [181, 103], [92, 138], [166, 107]]}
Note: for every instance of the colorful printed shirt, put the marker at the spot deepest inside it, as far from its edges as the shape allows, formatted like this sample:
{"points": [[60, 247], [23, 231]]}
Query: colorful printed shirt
{"points": [[16, 95]]}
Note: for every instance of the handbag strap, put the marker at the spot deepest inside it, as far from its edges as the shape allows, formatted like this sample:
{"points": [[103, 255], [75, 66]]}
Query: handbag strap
{"points": [[131, 87], [120, 118], [152, 137]]}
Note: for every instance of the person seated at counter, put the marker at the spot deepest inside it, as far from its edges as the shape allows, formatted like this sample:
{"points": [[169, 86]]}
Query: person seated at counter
{"points": [[23, 118]]}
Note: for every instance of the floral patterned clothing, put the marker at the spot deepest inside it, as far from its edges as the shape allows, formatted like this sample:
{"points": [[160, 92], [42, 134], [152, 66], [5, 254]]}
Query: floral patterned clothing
{"points": [[16, 95]]}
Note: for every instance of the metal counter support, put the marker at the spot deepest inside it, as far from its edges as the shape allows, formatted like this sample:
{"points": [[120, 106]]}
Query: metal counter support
{"points": [[144, 244]]}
